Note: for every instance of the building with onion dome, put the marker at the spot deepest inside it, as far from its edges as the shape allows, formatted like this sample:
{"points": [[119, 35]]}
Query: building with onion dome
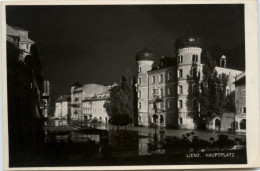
{"points": [[163, 89]]}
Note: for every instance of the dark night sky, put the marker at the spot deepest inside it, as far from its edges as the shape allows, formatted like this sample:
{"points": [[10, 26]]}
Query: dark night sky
{"points": [[96, 44]]}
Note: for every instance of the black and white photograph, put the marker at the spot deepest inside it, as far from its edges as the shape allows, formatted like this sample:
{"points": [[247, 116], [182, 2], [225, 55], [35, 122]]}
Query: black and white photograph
{"points": [[126, 85]]}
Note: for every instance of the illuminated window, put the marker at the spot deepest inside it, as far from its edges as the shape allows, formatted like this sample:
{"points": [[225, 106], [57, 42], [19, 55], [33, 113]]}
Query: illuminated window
{"points": [[139, 81], [180, 73], [153, 79], [179, 104], [139, 93]]}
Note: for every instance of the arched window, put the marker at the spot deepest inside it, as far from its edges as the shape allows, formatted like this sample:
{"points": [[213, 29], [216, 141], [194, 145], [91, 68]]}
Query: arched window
{"points": [[243, 124], [193, 58], [161, 119], [180, 121]]}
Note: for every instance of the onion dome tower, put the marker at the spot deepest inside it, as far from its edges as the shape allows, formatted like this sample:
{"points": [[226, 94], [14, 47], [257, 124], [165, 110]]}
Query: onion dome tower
{"points": [[145, 60], [188, 49]]}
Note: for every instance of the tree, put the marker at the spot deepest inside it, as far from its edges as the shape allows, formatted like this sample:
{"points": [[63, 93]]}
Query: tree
{"points": [[209, 93], [121, 103]]}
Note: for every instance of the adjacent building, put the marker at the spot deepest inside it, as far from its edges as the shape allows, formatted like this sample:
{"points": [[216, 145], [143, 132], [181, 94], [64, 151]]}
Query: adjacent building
{"points": [[168, 84], [240, 101], [24, 87]]}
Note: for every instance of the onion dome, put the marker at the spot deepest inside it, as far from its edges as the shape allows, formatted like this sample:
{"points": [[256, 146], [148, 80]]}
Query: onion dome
{"points": [[76, 84], [188, 40], [145, 54]]}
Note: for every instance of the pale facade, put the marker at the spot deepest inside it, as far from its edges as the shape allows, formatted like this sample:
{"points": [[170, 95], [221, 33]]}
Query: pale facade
{"points": [[88, 102], [169, 83], [62, 107]]}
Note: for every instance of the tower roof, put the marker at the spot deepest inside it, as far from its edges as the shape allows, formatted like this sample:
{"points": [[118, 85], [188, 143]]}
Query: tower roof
{"points": [[76, 84], [145, 54], [188, 40]]}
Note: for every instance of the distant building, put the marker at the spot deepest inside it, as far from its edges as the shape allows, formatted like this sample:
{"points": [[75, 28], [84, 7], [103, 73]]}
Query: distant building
{"points": [[168, 84], [94, 98], [62, 107], [240, 103], [87, 102]]}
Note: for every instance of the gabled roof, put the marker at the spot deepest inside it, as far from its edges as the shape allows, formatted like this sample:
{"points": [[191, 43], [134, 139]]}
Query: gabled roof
{"points": [[76, 84]]}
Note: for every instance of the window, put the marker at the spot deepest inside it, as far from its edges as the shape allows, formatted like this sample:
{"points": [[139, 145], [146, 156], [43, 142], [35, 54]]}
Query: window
{"points": [[193, 58], [139, 69], [139, 93], [161, 92], [169, 104], [160, 78], [180, 73], [161, 119], [153, 79], [169, 91], [196, 58], [139, 81], [169, 76], [152, 105], [243, 110], [243, 124], [180, 104], [180, 89], [180, 59], [180, 121], [139, 105], [139, 118]]}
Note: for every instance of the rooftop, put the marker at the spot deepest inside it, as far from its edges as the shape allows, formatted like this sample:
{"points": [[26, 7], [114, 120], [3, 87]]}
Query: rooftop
{"points": [[145, 54]]}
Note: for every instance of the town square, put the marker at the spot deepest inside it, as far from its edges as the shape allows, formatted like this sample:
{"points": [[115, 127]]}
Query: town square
{"points": [[126, 85]]}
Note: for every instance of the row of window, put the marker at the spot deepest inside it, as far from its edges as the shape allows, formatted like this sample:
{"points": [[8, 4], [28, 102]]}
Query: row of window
{"points": [[194, 58], [169, 91], [170, 104], [161, 104], [169, 77]]}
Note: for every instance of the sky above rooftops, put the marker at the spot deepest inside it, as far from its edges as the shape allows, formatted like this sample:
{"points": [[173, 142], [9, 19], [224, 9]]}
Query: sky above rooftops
{"points": [[96, 44]]}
